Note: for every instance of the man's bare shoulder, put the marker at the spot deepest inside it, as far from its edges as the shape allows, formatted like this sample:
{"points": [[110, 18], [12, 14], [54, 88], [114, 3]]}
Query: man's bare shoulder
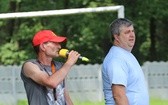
{"points": [[29, 68]]}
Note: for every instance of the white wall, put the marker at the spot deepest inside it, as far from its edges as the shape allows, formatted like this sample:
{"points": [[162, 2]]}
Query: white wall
{"points": [[84, 82]]}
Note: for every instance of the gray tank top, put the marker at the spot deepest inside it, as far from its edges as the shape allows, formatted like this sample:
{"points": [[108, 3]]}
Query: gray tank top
{"points": [[41, 95]]}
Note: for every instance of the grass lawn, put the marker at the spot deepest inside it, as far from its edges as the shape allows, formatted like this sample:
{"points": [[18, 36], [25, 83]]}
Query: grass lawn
{"points": [[153, 101]]}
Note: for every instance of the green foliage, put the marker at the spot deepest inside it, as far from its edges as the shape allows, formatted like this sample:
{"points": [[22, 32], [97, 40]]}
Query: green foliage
{"points": [[4, 5], [87, 33], [10, 54]]}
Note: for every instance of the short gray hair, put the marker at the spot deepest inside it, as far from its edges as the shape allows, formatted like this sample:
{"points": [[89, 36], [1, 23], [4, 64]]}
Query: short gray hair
{"points": [[117, 24]]}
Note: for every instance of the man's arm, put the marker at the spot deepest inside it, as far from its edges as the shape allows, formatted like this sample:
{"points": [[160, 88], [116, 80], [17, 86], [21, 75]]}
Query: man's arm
{"points": [[119, 94], [67, 98], [33, 71]]}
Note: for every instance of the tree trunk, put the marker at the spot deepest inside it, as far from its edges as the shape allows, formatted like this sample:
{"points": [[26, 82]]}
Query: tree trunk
{"points": [[10, 25], [152, 50]]}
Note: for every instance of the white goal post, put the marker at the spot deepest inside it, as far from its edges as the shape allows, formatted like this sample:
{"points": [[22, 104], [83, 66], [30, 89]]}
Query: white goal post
{"points": [[119, 9]]}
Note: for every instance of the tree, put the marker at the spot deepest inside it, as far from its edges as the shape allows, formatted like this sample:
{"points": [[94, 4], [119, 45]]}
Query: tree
{"points": [[148, 16], [86, 33]]}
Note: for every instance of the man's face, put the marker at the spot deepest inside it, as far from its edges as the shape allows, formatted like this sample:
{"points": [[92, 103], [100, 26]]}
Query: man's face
{"points": [[126, 39], [52, 49]]}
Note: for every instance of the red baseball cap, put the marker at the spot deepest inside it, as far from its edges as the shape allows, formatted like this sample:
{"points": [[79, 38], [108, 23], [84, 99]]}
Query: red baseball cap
{"points": [[45, 36]]}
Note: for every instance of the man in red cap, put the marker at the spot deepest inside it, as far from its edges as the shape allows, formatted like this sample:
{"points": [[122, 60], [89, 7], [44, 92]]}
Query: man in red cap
{"points": [[43, 77]]}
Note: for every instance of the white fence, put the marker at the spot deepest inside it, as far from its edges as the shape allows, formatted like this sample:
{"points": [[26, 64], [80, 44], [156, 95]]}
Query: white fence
{"points": [[156, 74], [11, 86], [84, 82]]}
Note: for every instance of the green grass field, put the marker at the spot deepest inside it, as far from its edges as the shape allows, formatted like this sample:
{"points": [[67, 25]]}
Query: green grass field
{"points": [[153, 101]]}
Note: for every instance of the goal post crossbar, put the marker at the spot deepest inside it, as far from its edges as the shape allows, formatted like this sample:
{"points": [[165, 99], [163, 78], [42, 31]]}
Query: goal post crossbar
{"points": [[119, 9]]}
